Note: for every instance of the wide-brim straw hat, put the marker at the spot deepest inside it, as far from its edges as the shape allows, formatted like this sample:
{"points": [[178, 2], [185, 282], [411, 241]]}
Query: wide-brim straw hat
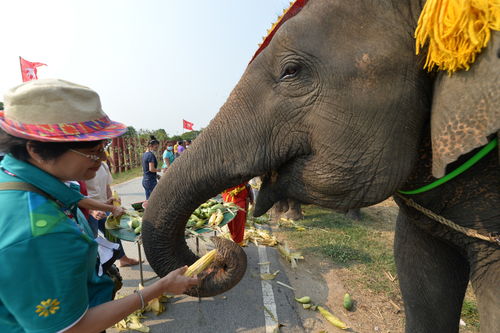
{"points": [[56, 110]]}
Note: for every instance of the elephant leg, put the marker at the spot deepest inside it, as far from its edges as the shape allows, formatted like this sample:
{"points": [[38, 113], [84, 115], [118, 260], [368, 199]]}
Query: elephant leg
{"points": [[433, 279], [485, 278], [294, 211], [354, 214], [278, 209]]}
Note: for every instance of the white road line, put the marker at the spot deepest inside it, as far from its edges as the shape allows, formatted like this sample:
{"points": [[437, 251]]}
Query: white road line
{"points": [[267, 293]]}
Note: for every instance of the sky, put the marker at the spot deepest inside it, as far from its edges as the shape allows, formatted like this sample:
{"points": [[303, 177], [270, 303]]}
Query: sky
{"points": [[153, 63]]}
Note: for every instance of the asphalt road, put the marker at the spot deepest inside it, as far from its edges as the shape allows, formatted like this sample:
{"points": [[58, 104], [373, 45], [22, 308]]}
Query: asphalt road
{"points": [[253, 305]]}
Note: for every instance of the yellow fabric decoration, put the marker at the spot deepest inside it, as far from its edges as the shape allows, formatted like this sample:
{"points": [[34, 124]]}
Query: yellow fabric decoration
{"points": [[456, 30], [233, 193], [47, 307]]}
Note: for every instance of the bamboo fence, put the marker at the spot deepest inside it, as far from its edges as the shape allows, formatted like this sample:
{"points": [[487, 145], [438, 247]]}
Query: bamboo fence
{"points": [[126, 153]]}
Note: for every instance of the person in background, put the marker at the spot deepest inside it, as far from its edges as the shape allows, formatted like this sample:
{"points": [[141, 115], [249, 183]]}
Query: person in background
{"points": [[238, 195], [175, 148], [180, 148], [188, 143], [52, 131], [87, 204], [168, 156], [99, 190], [150, 166]]}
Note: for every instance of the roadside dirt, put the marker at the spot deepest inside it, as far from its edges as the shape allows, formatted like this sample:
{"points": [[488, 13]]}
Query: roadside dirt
{"points": [[326, 284]]}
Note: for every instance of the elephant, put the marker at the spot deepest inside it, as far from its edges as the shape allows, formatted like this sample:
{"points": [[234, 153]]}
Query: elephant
{"points": [[336, 109]]}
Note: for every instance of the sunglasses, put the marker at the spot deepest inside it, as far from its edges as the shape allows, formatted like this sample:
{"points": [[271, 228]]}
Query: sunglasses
{"points": [[93, 157]]}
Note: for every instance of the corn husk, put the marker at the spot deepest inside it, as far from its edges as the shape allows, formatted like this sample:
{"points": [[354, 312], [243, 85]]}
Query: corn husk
{"points": [[133, 320], [269, 276], [290, 256]]}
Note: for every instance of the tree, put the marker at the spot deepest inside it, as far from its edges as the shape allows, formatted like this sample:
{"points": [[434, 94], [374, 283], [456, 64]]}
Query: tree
{"points": [[144, 133], [176, 138], [131, 132], [190, 135], [1, 105], [160, 134]]}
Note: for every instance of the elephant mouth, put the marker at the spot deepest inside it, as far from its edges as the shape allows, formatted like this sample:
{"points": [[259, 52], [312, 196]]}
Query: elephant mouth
{"points": [[280, 184], [224, 273], [269, 193]]}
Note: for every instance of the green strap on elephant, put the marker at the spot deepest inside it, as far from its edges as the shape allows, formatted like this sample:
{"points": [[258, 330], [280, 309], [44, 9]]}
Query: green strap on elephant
{"points": [[473, 160]]}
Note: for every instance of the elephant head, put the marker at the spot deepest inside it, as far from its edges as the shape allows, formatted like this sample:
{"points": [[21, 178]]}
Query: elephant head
{"points": [[331, 110]]}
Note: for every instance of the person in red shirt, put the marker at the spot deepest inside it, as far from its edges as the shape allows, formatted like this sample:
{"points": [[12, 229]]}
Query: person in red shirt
{"points": [[238, 195]]}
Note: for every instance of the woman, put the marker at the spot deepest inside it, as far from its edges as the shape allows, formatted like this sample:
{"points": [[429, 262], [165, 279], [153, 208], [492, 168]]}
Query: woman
{"points": [[149, 166], [168, 156], [52, 131]]}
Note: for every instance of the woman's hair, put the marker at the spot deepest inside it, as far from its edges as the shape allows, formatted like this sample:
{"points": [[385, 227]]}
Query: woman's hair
{"points": [[47, 150], [153, 141]]}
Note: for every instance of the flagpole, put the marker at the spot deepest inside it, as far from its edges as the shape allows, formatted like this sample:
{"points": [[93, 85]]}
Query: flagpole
{"points": [[21, 68]]}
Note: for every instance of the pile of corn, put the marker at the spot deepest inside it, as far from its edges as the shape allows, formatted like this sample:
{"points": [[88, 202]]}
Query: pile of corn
{"points": [[134, 223], [134, 320], [209, 215], [113, 222], [157, 305], [259, 237]]}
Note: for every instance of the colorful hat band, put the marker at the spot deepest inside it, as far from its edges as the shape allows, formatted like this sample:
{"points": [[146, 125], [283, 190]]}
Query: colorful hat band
{"points": [[87, 130]]}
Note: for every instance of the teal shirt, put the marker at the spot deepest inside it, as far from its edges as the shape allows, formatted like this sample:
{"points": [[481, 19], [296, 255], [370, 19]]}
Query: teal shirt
{"points": [[48, 276], [171, 157]]}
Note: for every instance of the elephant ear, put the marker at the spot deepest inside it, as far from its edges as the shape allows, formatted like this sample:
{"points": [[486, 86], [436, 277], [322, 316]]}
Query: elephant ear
{"points": [[466, 108]]}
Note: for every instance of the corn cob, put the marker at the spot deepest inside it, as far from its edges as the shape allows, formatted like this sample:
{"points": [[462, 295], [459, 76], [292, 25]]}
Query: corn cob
{"points": [[219, 217], [332, 319], [211, 220], [116, 197], [201, 264]]}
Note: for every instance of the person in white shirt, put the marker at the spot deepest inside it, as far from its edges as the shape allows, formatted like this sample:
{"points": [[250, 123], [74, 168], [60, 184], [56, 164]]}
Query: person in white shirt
{"points": [[99, 188]]}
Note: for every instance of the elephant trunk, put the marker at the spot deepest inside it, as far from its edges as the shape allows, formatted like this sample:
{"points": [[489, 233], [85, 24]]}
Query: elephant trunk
{"points": [[209, 166]]}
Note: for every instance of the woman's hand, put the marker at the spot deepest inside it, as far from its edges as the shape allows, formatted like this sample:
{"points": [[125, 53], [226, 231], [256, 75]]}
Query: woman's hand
{"points": [[97, 214], [118, 211], [176, 283]]}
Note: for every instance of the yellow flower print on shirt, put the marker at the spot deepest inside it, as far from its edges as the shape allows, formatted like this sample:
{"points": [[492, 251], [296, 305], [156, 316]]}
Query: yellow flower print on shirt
{"points": [[48, 307]]}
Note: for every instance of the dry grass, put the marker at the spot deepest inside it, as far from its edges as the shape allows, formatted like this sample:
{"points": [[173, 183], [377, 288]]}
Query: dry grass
{"points": [[363, 249]]}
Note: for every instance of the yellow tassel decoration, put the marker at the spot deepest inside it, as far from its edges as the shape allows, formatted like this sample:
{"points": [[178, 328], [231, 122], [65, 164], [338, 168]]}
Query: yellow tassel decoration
{"points": [[456, 31]]}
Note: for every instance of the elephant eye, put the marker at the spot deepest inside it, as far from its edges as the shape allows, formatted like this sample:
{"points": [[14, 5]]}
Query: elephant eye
{"points": [[290, 71]]}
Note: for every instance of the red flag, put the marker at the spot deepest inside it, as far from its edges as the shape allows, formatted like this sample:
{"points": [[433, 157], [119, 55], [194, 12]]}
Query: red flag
{"points": [[28, 69], [187, 125]]}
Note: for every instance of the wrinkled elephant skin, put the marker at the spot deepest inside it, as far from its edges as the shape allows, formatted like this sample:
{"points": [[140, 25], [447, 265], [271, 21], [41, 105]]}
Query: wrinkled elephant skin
{"points": [[337, 111]]}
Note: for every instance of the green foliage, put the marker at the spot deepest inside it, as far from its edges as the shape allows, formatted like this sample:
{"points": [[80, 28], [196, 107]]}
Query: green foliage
{"points": [[1, 105], [358, 245], [470, 314], [190, 135], [176, 138], [160, 134], [131, 132], [121, 177], [144, 133]]}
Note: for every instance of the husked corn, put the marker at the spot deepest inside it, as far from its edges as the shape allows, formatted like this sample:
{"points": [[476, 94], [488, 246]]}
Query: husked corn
{"points": [[201, 263]]}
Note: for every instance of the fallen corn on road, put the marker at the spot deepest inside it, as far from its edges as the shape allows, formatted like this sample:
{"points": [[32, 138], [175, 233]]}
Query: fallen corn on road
{"points": [[254, 305]]}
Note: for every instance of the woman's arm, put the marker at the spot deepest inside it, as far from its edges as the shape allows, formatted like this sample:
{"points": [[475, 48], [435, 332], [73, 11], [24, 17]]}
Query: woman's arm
{"points": [[152, 167], [92, 204], [106, 315]]}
